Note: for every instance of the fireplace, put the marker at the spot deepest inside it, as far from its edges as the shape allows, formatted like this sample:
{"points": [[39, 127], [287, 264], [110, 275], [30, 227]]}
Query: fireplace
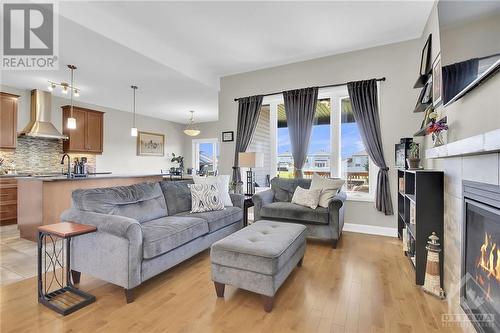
{"points": [[480, 284]]}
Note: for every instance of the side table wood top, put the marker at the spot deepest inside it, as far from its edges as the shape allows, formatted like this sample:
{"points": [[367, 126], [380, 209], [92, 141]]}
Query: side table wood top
{"points": [[67, 229]]}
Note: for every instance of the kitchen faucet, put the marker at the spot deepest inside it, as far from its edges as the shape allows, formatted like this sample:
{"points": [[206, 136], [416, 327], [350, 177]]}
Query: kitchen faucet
{"points": [[69, 164]]}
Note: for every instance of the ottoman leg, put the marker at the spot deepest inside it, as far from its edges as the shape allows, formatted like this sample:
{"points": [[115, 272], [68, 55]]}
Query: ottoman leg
{"points": [[268, 303], [219, 289]]}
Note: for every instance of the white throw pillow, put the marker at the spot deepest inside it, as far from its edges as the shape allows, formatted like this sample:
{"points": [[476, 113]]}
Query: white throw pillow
{"points": [[222, 181], [205, 198], [329, 188], [308, 198]]}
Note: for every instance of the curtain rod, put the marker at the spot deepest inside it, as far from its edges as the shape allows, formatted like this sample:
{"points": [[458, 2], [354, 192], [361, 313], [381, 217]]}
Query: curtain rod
{"points": [[327, 86]]}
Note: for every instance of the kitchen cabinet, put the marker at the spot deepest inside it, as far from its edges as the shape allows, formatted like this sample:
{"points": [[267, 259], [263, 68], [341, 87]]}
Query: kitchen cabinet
{"points": [[88, 135], [8, 200], [8, 120]]}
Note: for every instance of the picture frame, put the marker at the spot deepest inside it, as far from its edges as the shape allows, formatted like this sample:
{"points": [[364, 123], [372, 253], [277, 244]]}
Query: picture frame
{"points": [[150, 144], [425, 63], [228, 136], [437, 81], [426, 119]]}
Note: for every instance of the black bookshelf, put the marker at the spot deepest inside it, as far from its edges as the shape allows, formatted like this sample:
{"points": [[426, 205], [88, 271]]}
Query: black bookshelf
{"points": [[420, 191]]}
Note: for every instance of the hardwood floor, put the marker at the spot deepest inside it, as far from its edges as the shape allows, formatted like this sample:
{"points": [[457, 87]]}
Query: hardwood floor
{"points": [[365, 285]]}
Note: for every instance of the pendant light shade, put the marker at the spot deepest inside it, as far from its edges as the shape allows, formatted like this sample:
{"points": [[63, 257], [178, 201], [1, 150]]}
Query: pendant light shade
{"points": [[71, 122], [191, 129], [133, 130]]}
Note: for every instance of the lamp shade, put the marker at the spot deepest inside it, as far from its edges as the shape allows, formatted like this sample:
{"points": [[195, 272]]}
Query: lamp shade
{"points": [[251, 160]]}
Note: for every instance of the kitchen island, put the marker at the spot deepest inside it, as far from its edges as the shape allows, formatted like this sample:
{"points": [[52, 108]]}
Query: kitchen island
{"points": [[41, 200]]}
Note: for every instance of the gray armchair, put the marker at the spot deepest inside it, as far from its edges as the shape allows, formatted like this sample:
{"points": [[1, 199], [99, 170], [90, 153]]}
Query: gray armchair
{"points": [[275, 204]]}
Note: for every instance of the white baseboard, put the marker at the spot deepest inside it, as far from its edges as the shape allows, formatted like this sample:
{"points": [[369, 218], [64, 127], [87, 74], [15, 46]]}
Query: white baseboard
{"points": [[370, 229]]}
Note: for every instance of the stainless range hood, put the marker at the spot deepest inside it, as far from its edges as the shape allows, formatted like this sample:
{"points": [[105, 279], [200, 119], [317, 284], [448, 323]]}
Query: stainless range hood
{"points": [[40, 125]]}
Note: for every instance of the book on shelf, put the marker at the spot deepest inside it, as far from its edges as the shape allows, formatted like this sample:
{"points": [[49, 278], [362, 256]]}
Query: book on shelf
{"points": [[405, 240], [401, 184], [413, 213]]}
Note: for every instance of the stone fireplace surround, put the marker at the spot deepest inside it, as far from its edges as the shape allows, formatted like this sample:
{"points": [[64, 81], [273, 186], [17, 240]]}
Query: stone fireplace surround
{"points": [[476, 162]]}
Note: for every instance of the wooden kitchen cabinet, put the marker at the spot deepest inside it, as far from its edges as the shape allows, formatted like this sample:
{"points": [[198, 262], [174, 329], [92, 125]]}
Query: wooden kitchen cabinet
{"points": [[89, 133], [8, 120], [8, 200]]}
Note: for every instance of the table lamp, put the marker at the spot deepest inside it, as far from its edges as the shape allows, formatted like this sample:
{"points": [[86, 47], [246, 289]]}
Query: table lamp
{"points": [[251, 160]]}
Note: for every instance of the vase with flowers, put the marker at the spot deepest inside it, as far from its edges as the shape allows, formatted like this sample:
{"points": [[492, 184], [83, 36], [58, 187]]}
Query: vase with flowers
{"points": [[437, 129]]}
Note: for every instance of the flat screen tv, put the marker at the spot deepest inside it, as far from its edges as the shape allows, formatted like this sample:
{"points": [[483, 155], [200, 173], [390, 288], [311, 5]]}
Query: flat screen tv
{"points": [[470, 46]]}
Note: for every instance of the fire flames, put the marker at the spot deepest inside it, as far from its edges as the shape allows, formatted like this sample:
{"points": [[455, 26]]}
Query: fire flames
{"points": [[488, 264]]}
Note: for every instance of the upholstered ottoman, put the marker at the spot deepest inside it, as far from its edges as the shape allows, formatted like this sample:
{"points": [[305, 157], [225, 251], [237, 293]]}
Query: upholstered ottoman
{"points": [[258, 258]]}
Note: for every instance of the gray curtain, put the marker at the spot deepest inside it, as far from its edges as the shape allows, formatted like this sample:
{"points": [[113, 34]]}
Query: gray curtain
{"points": [[364, 102], [300, 106], [248, 115]]}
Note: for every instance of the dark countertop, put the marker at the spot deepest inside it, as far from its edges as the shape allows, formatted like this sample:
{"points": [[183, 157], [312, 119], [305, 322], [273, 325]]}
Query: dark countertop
{"points": [[90, 177]]}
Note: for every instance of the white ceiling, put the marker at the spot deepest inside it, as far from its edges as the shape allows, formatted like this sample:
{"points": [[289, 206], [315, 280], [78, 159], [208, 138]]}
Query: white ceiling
{"points": [[176, 52]]}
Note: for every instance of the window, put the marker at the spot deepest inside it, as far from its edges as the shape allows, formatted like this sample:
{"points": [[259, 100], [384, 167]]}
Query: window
{"points": [[355, 161], [205, 156], [319, 151], [335, 148]]}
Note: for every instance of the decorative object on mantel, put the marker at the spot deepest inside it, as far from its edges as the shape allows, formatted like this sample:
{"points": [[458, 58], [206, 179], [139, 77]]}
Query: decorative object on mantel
{"points": [[177, 159], [133, 130], [436, 129], [414, 156], [437, 81], [228, 136], [425, 63], [191, 129], [150, 144], [71, 119], [432, 282]]}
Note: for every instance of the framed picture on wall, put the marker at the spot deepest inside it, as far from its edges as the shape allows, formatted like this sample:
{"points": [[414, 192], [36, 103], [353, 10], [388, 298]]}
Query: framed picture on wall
{"points": [[425, 65], [150, 144], [227, 136], [437, 90]]}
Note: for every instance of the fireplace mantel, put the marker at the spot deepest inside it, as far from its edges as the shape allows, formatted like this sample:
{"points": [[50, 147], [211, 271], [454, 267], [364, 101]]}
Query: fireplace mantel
{"points": [[476, 145]]}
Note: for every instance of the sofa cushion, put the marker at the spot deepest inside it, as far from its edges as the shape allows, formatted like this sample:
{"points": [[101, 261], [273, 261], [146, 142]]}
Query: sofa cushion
{"points": [[284, 188], [142, 202], [290, 211], [167, 233], [177, 195], [218, 219], [263, 247]]}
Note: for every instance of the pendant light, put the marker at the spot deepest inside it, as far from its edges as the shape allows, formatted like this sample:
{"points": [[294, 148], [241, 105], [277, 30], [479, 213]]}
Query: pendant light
{"points": [[191, 129], [71, 122], [133, 130]]}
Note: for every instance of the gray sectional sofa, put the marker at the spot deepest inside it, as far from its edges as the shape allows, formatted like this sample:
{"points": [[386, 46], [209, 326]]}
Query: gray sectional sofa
{"points": [[275, 204], [143, 230]]}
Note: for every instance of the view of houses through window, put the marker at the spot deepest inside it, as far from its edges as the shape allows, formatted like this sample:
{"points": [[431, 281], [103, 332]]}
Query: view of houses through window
{"points": [[322, 152], [205, 153]]}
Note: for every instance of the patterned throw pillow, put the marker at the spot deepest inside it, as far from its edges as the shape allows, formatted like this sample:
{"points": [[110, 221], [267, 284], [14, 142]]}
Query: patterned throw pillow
{"points": [[205, 198], [308, 198]]}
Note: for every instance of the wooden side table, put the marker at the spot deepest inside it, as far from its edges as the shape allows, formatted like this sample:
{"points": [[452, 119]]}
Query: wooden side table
{"points": [[247, 203], [66, 298]]}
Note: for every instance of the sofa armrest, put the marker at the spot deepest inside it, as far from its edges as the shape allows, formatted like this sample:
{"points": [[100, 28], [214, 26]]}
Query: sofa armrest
{"points": [[113, 253], [120, 226], [336, 213], [260, 200], [237, 199]]}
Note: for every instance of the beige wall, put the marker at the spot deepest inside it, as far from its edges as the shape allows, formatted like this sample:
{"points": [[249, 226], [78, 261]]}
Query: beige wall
{"points": [[119, 154], [397, 62]]}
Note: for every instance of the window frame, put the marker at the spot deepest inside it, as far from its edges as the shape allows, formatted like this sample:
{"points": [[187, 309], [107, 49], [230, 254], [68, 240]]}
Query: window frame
{"points": [[195, 148], [335, 95]]}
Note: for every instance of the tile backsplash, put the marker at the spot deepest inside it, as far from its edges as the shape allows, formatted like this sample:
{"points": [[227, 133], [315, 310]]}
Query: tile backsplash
{"points": [[37, 155]]}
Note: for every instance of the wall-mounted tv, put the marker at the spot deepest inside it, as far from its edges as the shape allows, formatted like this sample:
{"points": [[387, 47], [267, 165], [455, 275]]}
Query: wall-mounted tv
{"points": [[470, 45]]}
